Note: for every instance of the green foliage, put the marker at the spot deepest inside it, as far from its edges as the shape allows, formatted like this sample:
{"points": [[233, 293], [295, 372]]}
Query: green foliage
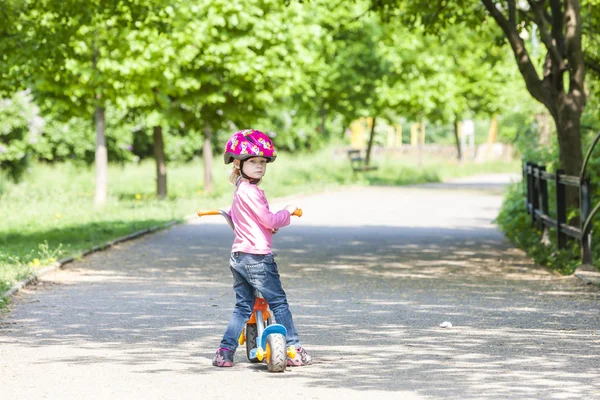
{"points": [[232, 65], [291, 131], [72, 140], [360, 71], [590, 121], [20, 127], [183, 146], [591, 37], [300, 71], [13, 57], [515, 126], [513, 218], [514, 221]]}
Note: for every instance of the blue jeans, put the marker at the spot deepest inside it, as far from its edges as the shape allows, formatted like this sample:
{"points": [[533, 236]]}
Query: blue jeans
{"points": [[250, 272]]}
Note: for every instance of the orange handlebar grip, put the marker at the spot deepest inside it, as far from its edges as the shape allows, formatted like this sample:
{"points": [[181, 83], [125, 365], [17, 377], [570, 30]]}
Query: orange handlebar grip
{"points": [[297, 212], [202, 213]]}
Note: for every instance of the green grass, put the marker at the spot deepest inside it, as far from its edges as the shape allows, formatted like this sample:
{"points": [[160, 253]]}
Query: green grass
{"points": [[50, 215], [406, 170]]}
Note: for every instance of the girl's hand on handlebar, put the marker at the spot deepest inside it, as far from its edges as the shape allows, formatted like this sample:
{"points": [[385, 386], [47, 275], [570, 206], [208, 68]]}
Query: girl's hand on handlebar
{"points": [[274, 231], [290, 208], [293, 210]]}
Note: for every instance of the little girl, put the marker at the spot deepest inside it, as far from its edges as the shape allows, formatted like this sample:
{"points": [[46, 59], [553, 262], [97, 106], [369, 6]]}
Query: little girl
{"points": [[252, 263]]}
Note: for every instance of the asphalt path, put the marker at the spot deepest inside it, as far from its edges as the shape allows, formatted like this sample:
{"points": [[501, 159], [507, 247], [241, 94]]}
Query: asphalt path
{"points": [[370, 273]]}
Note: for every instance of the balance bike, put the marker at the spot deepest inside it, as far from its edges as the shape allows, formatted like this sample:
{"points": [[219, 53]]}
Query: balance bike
{"points": [[264, 339]]}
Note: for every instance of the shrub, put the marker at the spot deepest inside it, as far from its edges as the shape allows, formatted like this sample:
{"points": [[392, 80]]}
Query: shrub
{"points": [[20, 127], [515, 222]]}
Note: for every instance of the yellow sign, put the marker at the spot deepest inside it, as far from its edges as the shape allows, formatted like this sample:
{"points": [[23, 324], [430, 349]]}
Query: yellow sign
{"points": [[358, 137]]}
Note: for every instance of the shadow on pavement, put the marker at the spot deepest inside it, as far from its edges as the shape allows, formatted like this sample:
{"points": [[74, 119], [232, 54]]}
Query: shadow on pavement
{"points": [[367, 302]]}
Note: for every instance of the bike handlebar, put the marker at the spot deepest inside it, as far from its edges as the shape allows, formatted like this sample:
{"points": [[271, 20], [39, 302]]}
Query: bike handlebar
{"points": [[201, 213]]}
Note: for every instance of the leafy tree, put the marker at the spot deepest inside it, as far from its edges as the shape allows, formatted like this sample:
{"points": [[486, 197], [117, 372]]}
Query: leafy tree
{"points": [[455, 78], [73, 140], [361, 74], [149, 69], [310, 97], [559, 83], [234, 61], [75, 72], [373, 69], [17, 112]]}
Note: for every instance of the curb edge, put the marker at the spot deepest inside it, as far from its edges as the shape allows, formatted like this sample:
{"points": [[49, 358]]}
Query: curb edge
{"points": [[59, 264]]}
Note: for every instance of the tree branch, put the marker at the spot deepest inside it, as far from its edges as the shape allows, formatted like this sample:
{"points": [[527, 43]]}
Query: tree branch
{"points": [[557, 23], [526, 67], [549, 40], [574, 51], [512, 12]]}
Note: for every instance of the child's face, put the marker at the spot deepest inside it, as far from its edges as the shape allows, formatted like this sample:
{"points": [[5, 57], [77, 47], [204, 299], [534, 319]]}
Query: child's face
{"points": [[255, 167]]}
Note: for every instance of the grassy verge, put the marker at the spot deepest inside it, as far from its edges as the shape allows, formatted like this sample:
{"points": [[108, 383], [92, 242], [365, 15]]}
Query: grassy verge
{"points": [[515, 222], [50, 215]]}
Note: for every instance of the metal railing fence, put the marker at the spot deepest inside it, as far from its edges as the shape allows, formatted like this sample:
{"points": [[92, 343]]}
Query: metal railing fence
{"points": [[536, 178]]}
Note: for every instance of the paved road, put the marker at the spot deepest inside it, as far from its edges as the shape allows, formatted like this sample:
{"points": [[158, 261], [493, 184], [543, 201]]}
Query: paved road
{"points": [[370, 275]]}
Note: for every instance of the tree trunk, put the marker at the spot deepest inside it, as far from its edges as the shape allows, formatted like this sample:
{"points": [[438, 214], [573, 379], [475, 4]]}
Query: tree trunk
{"points": [[323, 119], [560, 31], [207, 154], [569, 138], [568, 123], [161, 166], [101, 162], [370, 145], [457, 139]]}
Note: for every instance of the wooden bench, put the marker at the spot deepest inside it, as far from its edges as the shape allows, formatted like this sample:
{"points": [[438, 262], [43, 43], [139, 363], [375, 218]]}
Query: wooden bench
{"points": [[357, 162]]}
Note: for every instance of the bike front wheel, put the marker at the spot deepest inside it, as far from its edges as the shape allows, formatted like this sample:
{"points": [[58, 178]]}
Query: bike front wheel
{"points": [[276, 354]]}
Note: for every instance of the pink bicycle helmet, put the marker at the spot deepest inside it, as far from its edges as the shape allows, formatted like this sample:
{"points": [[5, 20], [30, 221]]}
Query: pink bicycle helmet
{"points": [[249, 143]]}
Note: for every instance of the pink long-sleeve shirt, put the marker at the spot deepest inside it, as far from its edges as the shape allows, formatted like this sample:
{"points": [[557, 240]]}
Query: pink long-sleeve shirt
{"points": [[253, 221]]}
